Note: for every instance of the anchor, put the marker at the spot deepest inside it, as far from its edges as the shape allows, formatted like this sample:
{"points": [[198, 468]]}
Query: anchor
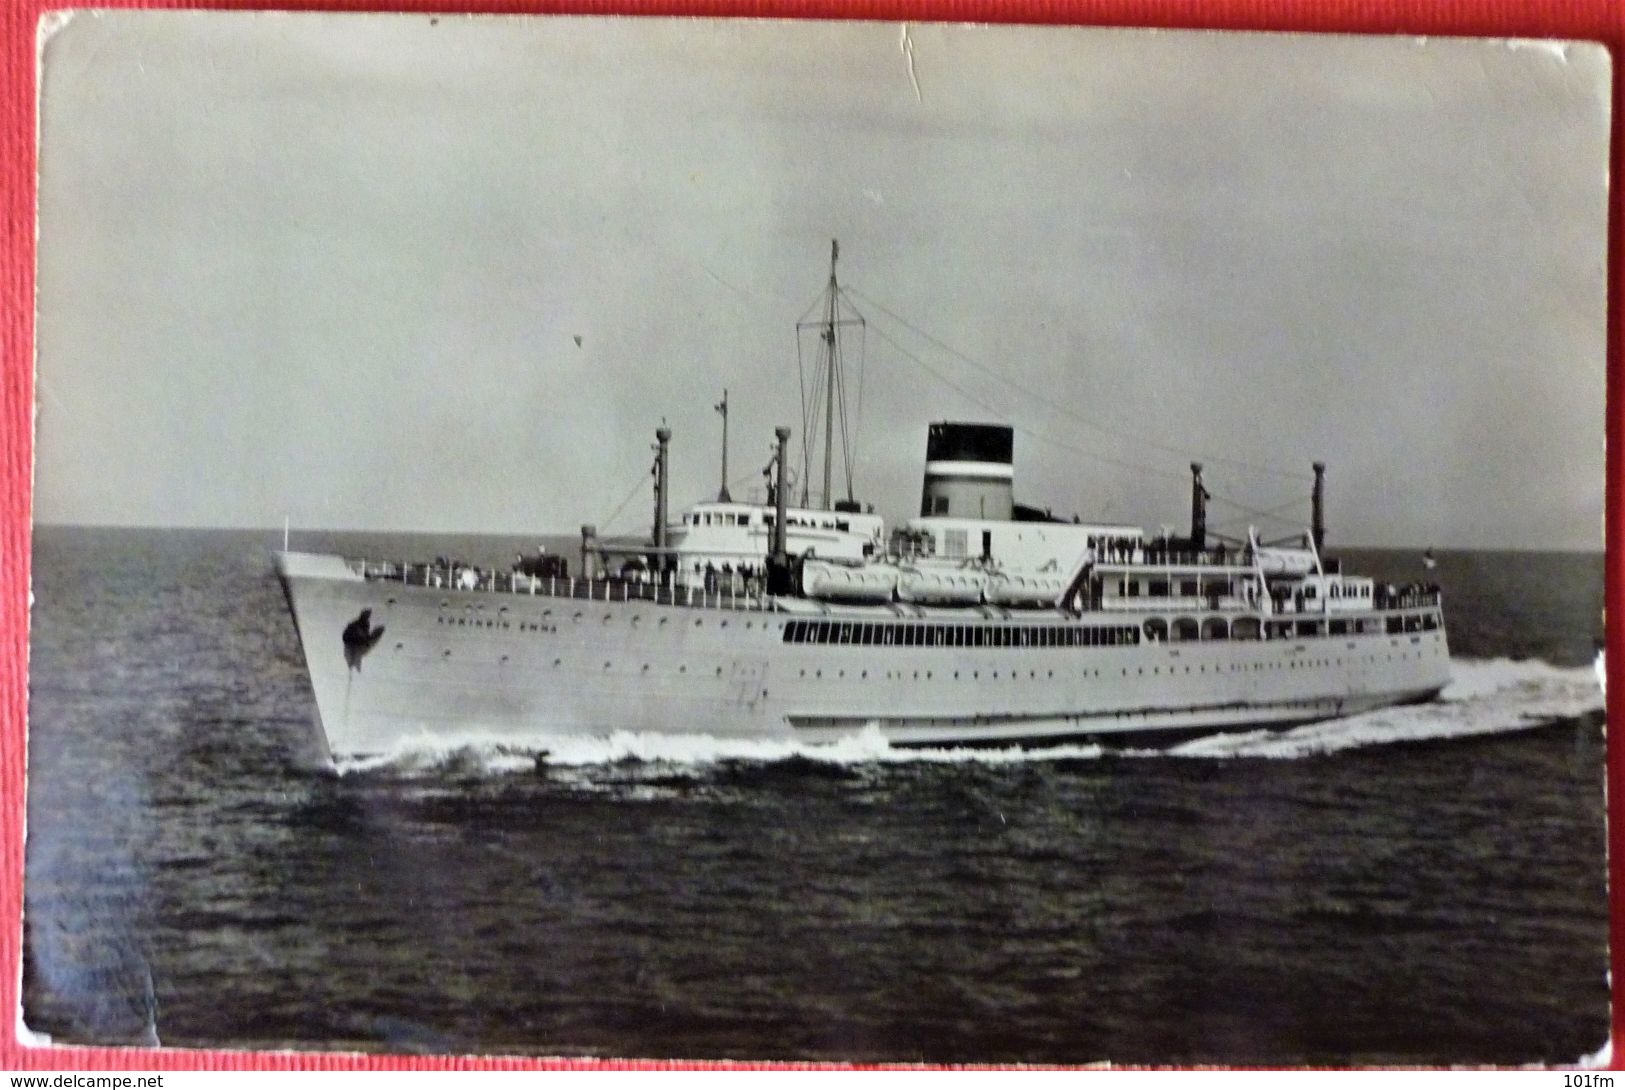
{"points": [[359, 638]]}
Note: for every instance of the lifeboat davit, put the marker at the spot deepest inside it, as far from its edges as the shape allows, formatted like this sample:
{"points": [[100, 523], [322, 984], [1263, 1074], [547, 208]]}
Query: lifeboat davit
{"points": [[848, 583], [1024, 590], [944, 586]]}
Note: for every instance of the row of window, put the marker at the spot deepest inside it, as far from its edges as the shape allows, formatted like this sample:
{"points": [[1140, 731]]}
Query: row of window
{"points": [[959, 635], [731, 518], [1192, 588], [894, 634]]}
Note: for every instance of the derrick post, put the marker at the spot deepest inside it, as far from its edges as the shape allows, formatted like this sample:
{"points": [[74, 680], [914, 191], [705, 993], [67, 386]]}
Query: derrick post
{"points": [[663, 436], [1317, 523], [778, 562], [722, 407], [589, 540], [1198, 509]]}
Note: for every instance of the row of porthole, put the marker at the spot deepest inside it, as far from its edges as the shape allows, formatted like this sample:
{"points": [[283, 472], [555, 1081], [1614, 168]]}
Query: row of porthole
{"points": [[576, 616], [976, 675], [1156, 671], [559, 662]]}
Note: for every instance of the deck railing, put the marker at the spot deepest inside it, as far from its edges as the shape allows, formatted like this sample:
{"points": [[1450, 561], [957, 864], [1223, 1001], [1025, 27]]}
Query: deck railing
{"points": [[735, 593], [738, 592]]}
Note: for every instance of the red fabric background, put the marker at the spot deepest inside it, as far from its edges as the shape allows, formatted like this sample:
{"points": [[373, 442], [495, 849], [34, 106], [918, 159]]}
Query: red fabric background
{"points": [[1596, 20]]}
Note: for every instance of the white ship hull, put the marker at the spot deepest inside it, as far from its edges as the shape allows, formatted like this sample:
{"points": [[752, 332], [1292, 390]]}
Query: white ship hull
{"points": [[523, 668]]}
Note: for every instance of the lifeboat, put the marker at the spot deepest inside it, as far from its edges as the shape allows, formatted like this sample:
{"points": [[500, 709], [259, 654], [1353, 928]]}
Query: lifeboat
{"points": [[1024, 590], [943, 586], [848, 583], [1284, 561]]}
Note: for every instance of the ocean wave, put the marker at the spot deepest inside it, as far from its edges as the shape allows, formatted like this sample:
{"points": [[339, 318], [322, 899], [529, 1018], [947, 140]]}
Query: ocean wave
{"points": [[1485, 696]]}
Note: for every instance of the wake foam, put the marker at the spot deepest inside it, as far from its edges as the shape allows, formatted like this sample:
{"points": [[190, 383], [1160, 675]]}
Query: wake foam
{"points": [[1491, 696], [1484, 697], [865, 747]]}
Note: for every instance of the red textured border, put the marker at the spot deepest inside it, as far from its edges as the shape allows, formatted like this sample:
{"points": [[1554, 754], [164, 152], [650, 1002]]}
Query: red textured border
{"points": [[1596, 20]]}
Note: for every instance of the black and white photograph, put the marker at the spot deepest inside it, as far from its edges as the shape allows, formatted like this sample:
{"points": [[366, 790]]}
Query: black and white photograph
{"points": [[812, 541]]}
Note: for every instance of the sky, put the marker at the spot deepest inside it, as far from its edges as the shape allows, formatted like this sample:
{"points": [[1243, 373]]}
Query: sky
{"points": [[450, 273]]}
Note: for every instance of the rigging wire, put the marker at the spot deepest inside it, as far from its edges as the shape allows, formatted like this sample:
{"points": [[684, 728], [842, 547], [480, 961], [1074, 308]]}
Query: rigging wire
{"points": [[815, 416], [1049, 401], [1272, 514], [968, 396], [636, 488], [810, 416], [801, 368], [863, 355], [837, 370], [1263, 515]]}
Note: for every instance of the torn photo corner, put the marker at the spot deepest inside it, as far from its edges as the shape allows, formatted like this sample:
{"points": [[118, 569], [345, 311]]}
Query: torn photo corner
{"points": [[817, 541]]}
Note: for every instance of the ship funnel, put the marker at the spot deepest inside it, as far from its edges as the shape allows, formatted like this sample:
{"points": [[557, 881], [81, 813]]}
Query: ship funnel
{"points": [[969, 471], [1317, 524]]}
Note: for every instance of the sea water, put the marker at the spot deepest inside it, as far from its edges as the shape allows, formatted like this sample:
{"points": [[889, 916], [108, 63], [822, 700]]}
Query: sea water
{"points": [[1421, 884]]}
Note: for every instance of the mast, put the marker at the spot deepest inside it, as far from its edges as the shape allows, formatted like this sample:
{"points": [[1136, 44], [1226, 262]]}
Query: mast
{"points": [[722, 407], [829, 340], [830, 401]]}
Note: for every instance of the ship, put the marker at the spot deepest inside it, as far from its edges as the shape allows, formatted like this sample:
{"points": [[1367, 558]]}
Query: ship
{"points": [[980, 622]]}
